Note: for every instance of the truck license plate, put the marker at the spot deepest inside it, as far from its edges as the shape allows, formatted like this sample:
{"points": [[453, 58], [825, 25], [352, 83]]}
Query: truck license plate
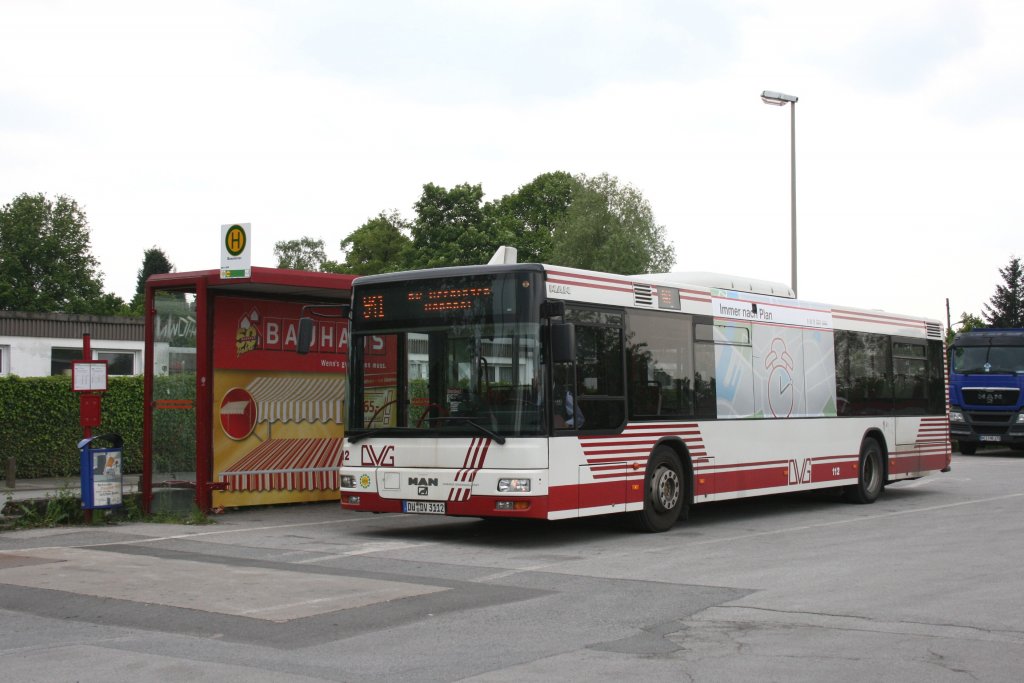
{"points": [[990, 437], [423, 507]]}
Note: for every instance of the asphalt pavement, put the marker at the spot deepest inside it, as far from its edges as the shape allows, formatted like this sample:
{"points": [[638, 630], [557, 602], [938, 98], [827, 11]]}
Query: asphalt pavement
{"points": [[923, 585]]}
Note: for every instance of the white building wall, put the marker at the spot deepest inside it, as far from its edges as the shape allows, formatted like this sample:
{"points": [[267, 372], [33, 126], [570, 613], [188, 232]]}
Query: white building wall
{"points": [[31, 356]]}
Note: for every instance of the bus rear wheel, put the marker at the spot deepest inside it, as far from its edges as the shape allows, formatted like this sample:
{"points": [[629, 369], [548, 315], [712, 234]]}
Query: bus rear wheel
{"points": [[871, 475], [664, 493]]}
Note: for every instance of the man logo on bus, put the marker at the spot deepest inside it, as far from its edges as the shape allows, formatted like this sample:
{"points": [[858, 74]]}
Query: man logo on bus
{"points": [[781, 393]]}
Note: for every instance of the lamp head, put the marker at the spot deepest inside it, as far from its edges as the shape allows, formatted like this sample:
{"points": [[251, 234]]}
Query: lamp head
{"points": [[777, 98]]}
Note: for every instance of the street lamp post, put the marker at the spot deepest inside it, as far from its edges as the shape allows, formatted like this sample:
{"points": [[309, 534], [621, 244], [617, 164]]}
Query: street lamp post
{"points": [[779, 99]]}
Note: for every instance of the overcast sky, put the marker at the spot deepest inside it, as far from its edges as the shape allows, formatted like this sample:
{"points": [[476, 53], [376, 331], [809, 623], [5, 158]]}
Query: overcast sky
{"points": [[306, 118]]}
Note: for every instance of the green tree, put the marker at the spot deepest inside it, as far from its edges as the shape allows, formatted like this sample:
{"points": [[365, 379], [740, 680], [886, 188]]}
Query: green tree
{"points": [[611, 227], [45, 258], [110, 304], [449, 229], [966, 323], [1006, 307], [380, 245], [154, 262], [304, 253], [527, 217], [556, 218]]}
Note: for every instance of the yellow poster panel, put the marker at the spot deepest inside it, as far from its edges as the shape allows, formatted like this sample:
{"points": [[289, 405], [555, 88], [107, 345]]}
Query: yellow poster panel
{"points": [[277, 436]]}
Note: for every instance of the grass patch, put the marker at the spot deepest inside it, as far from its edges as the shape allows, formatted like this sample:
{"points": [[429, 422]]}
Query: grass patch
{"points": [[65, 509]]}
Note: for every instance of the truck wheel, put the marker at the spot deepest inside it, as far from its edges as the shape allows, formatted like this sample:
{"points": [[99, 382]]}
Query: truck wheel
{"points": [[871, 476], [664, 492]]}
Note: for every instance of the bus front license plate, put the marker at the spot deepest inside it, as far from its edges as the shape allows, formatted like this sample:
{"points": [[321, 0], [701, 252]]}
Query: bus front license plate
{"points": [[423, 507], [990, 437]]}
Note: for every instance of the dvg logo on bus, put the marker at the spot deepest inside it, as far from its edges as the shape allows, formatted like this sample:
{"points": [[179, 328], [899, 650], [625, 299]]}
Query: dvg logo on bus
{"points": [[386, 458]]}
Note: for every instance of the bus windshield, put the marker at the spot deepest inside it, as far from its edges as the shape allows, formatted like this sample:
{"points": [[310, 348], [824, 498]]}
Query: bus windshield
{"points": [[458, 355], [968, 360]]}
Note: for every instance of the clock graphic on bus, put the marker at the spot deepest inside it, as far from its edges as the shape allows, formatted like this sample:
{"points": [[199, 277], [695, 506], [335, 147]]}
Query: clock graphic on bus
{"points": [[781, 392]]}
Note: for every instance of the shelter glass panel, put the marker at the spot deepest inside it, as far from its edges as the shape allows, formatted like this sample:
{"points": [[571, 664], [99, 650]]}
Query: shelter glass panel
{"points": [[174, 402]]}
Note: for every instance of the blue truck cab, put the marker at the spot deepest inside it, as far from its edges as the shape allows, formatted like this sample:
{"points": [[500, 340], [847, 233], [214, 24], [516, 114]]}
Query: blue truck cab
{"points": [[986, 375]]}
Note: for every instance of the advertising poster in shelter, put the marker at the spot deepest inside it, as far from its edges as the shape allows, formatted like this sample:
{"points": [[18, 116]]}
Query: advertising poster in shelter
{"points": [[380, 383], [277, 415]]}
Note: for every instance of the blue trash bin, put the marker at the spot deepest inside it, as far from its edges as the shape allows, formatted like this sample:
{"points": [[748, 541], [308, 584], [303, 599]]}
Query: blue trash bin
{"points": [[102, 482]]}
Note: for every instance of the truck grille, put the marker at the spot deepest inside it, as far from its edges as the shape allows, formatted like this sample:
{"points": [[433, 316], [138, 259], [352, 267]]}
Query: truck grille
{"points": [[995, 396], [991, 422]]}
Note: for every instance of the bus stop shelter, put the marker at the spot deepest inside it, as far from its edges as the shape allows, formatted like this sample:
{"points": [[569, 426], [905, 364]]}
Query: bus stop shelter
{"points": [[234, 416]]}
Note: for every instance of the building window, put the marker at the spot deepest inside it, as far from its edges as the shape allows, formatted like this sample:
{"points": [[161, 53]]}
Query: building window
{"points": [[5, 359], [118, 362], [61, 359]]}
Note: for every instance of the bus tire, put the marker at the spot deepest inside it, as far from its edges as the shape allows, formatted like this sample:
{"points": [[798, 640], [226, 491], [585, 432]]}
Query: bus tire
{"points": [[664, 492], [870, 477]]}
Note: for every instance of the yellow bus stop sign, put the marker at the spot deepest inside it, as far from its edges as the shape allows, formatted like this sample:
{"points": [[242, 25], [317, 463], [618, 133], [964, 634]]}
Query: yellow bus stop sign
{"points": [[234, 251]]}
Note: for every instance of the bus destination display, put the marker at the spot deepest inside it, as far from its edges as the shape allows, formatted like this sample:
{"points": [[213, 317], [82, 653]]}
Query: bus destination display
{"points": [[668, 297], [401, 303]]}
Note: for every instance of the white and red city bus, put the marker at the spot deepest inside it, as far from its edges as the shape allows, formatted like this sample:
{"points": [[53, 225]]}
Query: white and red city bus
{"points": [[535, 391]]}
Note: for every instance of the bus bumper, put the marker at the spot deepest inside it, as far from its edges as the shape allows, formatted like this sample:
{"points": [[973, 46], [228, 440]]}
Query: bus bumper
{"points": [[520, 507], [438, 491]]}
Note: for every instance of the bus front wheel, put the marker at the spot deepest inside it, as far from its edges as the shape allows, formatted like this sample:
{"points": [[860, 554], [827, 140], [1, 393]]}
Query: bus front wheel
{"points": [[870, 475], [664, 492]]}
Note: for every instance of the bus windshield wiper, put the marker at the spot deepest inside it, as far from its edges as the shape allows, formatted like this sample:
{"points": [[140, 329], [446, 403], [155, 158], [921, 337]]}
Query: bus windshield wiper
{"points": [[359, 436], [497, 437]]}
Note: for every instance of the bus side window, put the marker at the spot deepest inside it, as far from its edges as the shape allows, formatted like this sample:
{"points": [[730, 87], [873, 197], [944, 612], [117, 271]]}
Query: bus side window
{"points": [[599, 400], [660, 364]]}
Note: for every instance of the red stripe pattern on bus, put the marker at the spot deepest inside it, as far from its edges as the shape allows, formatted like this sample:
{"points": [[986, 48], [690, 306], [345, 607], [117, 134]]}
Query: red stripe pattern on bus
{"points": [[623, 457], [476, 454], [879, 318], [592, 281]]}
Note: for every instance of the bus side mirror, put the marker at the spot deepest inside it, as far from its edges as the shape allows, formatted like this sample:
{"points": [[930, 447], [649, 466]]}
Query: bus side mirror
{"points": [[305, 335], [563, 342], [552, 309], [306, 326]]}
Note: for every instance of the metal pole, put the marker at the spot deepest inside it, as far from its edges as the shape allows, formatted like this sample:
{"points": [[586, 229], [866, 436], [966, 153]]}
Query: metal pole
{"points": [[149, 403], [86, 431], [792, 196], [204, 398]]}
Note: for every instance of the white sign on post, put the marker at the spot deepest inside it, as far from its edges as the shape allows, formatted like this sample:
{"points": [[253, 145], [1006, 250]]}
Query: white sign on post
{"points": [[235, 259], [89, 375]]}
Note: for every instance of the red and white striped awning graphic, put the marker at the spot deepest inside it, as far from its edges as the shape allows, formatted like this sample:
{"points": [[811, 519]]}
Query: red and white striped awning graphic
{"points": [[298, 399], [287, 465]]}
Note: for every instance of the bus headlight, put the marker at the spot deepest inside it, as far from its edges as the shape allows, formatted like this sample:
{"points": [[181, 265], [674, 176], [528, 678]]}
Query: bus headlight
{"points": [[514, 485], [348, 481], [957, 416]]}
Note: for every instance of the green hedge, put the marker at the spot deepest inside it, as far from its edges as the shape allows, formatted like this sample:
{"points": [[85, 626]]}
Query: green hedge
{"points": [[39, 424], [174, 431]]}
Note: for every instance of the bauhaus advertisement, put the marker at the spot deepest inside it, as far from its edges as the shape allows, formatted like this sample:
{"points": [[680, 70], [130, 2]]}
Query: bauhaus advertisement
{"points": [[278, 415]]}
